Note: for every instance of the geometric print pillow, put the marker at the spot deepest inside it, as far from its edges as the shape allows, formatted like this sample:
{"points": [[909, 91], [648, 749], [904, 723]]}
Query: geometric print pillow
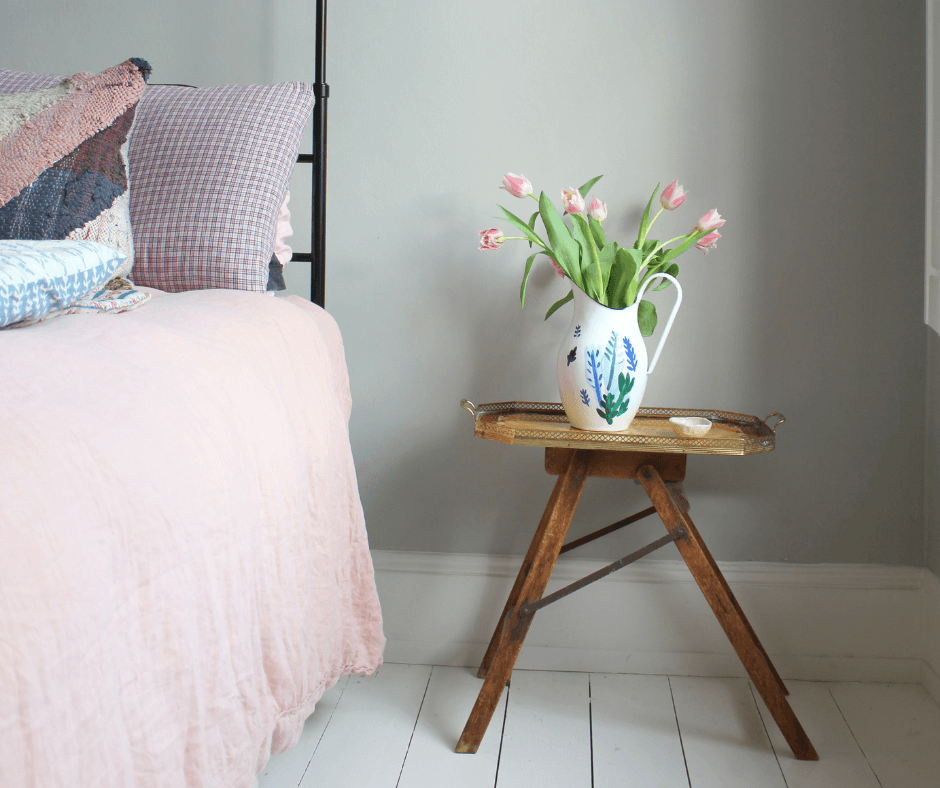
{"points": [[63, 159], [40, 277]]}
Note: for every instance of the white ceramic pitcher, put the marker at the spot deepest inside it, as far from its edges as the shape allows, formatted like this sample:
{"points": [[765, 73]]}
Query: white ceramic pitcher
{"points": [[602, 367]]}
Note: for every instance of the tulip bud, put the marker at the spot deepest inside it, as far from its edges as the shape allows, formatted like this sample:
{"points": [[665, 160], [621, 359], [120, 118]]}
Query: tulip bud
{"points": [[516, 185], [709, 221], [490, 239], [673, 196], [598, 209], [557, 268], [574, 202], [709, 241]]}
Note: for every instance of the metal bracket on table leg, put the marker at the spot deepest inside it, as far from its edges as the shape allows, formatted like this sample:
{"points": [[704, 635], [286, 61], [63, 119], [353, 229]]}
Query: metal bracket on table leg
{"points": [[678, 497], [673, 536]]}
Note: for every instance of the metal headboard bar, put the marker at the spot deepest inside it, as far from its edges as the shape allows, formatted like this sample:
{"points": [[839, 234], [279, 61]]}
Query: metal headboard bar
{"points": [[321, 90]]}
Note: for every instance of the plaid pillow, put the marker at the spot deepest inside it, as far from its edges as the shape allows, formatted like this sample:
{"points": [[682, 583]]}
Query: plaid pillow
{"points": [[63, 162], [209, 170]]}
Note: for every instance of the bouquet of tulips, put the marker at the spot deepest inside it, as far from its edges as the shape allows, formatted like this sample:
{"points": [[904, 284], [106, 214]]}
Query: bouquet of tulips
{"points": [[610, 274]]}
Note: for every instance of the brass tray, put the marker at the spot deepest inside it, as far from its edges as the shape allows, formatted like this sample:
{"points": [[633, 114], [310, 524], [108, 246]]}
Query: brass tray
{"points": [[545, 424]]}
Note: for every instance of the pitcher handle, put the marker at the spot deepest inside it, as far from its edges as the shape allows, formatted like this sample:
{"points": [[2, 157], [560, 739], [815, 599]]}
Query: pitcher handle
{"points": [[672, 315]]}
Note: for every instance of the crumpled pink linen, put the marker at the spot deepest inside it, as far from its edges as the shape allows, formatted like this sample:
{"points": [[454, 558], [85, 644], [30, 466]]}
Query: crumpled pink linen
{"points": [[184, 566]]}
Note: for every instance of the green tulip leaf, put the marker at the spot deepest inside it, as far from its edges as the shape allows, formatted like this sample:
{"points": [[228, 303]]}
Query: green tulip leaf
{"points": [[598, 232], [559, 303], [590, 264], [622, 273], [646, 317], [523, 227], [532, 219], [632, 289], [606, 258], [528, 268], [645, 222], [588, 186], [672, 270], [559, 237]]}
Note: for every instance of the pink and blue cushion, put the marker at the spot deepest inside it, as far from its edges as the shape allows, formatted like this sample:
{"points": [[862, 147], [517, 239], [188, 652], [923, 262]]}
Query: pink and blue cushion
{"points": [[63, 165]]}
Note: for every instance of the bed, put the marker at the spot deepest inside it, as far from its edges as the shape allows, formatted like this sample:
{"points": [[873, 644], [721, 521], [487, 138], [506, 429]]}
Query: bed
{"points": [[184, 563]]}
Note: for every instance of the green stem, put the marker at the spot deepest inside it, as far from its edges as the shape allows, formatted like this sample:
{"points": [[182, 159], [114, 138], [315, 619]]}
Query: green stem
{"points": [[524, 238], [650, 225], [664, 243]]}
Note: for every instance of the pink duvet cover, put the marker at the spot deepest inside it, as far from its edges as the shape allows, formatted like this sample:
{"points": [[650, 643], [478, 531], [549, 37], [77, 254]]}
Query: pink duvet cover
{"points": [[184, 566]]}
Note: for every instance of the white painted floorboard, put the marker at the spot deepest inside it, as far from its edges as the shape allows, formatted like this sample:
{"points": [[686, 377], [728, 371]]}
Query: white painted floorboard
{"points": [[547, 737], [398, 729], [431, 756], [367, 738], [287, 768], [898, 728], [723, 735], [635, 735], [841, 760]]}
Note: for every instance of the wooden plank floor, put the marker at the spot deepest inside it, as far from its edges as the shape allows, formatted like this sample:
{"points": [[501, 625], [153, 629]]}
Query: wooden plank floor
{"points": [[398, 728]]}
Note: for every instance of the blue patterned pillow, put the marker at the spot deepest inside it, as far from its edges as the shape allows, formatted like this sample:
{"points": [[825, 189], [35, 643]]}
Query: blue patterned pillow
{"points": [[39, 277]]}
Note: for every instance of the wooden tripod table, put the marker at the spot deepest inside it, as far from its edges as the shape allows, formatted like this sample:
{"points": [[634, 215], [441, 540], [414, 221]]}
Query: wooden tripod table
{"points": [[652, 453]]}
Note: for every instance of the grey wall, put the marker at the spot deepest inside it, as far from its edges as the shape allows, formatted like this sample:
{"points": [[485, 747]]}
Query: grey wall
{"points": [[801, 121], [932, 433], [932, 454]]}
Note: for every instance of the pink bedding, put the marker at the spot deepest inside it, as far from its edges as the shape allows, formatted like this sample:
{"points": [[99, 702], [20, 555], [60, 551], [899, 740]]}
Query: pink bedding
{"points": [[184, 566]]}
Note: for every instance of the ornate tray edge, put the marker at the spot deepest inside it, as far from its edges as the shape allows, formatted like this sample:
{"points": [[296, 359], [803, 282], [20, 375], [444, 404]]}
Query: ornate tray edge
{"points": [[485, 426]]}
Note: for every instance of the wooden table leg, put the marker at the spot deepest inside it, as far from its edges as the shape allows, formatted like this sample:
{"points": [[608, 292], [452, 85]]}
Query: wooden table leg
{"points": [[546, 545], [729, 614], [513, 599]]}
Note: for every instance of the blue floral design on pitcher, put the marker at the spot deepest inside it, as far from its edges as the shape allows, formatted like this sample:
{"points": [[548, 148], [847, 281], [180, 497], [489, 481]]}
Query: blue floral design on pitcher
{"points": [[607, 371]]}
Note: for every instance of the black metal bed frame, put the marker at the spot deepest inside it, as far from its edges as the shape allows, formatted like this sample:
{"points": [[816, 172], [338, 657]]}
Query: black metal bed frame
{"points": [[317, 255]]}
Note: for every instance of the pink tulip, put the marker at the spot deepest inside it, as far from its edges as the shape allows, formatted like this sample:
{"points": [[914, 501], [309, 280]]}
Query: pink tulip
{"points": [[709, 221], [557, 268], [673, 196], [709, 241], [491, 239], [574, 202], [598, 209], [516, 185]]}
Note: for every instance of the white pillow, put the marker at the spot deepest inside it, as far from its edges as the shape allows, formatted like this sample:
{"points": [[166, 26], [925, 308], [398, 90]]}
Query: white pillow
{"points": [[39, 277]]}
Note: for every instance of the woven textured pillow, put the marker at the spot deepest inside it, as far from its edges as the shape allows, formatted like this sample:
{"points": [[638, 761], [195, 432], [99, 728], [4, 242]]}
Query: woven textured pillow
{"points": [[63, 158], [210, 168]]}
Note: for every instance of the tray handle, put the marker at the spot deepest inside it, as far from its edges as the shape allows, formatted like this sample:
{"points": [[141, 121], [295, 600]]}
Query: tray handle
{"points": [[468, 406], [774, 428]]}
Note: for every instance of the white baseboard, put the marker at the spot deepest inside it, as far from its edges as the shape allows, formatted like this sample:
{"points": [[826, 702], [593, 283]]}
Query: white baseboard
{"points": [[931, 677], [831, 622]]}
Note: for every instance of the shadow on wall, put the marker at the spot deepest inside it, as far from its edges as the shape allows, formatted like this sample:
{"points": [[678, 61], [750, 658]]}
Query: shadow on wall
{"points": [[812, 145]]}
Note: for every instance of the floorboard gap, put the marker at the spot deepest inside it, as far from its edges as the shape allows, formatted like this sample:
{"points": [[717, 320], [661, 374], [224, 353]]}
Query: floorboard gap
{"points": [[591, 728], [679, 728], [854, 737], [317, 747], [502, 733], [411, 738]]}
